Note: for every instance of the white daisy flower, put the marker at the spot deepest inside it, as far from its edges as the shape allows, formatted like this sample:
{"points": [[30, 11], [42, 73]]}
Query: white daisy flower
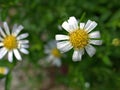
{"points": [[79, 38], [13, 43], [54, 54], [4, 70]]}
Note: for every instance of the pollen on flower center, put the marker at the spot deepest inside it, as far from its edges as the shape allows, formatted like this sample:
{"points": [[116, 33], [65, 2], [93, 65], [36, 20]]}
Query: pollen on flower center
{"points": [[10, 42], [79, 38], [56, 52]]}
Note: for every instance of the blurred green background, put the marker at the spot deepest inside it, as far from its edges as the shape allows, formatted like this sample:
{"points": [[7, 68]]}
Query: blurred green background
{"points": [[42, 20]]}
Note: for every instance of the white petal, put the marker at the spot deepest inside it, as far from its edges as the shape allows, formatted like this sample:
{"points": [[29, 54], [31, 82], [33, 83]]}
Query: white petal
{"points": [[65, 25], [90, 50], [17, 54], [25, 51], [6, 28], [14, 28], [61, 37], [73, 24], [90, 25], [95, 42], [3, 51], [82, 25], [51, 44], [1, 39], [95, 34], [10, 56], [46, 47], [47, 51], [24, 41], [77, 55], [64, 46], [22, 36], [1, 44], [24, 46], [18, 30], [50, 58], [2, 32], [57, 62]]}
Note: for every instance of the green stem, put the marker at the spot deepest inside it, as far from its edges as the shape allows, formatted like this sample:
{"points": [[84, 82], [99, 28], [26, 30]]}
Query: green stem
{"points": [[8, 81]]}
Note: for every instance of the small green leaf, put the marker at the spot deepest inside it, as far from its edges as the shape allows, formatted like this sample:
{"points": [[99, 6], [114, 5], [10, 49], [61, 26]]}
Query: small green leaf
{"points": [[107, 61]]}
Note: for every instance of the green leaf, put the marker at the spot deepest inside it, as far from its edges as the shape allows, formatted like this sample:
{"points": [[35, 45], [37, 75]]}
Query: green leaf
{"points": [[83, 15], [107, 61]]}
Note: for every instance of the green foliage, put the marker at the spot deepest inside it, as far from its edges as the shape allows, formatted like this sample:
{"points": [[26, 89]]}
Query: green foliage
{"points": [[41, 19]]}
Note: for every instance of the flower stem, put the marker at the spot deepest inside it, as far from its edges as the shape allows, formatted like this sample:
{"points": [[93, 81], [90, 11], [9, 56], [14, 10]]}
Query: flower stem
{"points": [[8, 81]]}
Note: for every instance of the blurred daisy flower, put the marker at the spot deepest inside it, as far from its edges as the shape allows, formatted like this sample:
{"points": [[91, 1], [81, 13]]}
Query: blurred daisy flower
{"points": [[13, 43], [4, 70], [54, 54], [79, 38]]}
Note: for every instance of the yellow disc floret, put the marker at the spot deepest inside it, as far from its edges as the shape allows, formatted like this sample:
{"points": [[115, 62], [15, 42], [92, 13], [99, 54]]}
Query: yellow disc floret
{"points": [[2, 70], [79, 38], [10, 42], [56, 52]]}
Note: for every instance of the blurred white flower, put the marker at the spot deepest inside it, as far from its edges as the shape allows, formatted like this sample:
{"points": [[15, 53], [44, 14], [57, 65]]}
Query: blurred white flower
{"points": [[79, 38], [4, 70], [12, 42], [54, 54], [87, 84]]}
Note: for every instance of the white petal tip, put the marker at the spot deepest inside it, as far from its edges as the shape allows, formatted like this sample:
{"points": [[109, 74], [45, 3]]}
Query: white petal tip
{"points": [[61, 37], [90, 50]]}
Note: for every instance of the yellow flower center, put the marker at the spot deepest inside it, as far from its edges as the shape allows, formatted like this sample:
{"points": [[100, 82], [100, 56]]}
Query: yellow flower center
{"points": [[79, 38], [56, 52], [10, 42], [2, 70]]}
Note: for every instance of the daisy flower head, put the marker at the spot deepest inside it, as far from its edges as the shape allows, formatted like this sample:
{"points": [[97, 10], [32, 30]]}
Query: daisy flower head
{"points": [[54, 55], [4, 70], [12, 43], [79, 38]]}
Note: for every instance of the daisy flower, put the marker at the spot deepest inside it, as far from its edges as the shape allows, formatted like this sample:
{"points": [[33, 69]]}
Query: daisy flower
{"points": [[54, 54], [79, 38], [13, 43], [4, 70]]}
